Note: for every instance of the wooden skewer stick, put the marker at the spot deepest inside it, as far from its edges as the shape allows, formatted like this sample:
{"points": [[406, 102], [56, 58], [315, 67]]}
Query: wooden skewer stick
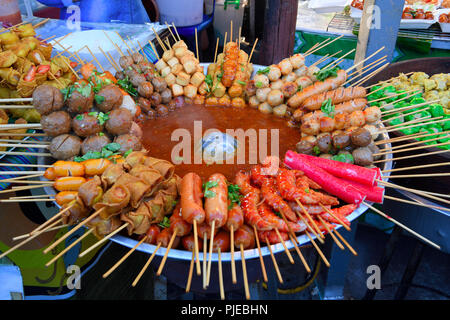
{"points": [[15, 180], [419, 192], [314, 46], [103, 240], [33, 196], [96, 60], [27, 134], [364, 60], [47, 230], [17, 246], [21, 177], [363, 80], [251, 53], [37, 146], [159, 40], [169, 246], [222, 291], [416, 123], [233, 264], [26, 142], [118, 263], [334, 63], [110, 61], [302, 258], [323, 46], [115, 62], [345, 242], [386, 81], [196, 45], [37, 25], [412, 156], [215, 53], [25, 165], [176, 31], [416, 203], [244, 273], [9, 106], [261, 259], [56, 216], [73, 244], [416, 143], [92, 216], [309, 227], [317, 249], [208, 275], [19, 153], [368, 67], [381, 213], [139, 276], [191, 269], [424, 175], [231, 30], [408, 137], [136, 50], [291, 260], [20, 126], [418, 167], [16, 100], [126, 44], [154, 49], [205, 248], [114, 44], [274, 261], [409, 149], [23, 188], [196, 247], [414, 91], [170, 30], [25, 200], [338, 243], [336, 217], [325, 57], [239, 39], [316, 227], [403, 115]]}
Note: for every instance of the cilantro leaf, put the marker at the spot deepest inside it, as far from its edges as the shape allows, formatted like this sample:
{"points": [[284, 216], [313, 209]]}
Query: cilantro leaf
{"points": [[328, 108], [325, 73], [99, 99], [266, 70], [165, 223]]}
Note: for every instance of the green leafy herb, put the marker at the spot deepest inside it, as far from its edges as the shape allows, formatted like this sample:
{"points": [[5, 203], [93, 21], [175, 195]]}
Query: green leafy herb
{"points": [[299, 88], [67, 92], [328, 108], [126, 154], [209, 83], [101, 134], [102, 117], [316, 150], [325, 73], [307, 190], [113, 146], [126, 85], [242, 82], [234, 195], [258, 84], [99, 99], [165, 223], [266, 70], [278, 214], [89, 155], [79, 117], [85, 91], [208, 185], [209, 194]]}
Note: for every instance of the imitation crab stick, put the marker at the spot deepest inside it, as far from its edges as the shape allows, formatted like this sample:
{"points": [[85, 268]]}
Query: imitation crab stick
{"points": [[372, 193], [330, 183], [344, 170]]}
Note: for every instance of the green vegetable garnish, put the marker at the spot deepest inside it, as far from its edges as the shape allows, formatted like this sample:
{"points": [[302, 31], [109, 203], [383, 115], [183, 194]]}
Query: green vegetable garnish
{"points": [[326, 73], [99, 99], [258, 84], [126, 154], [208, 185], [328, 108], [316, 150], [234, 195], [242, 82], [165, 223], [79, 117], [266, 70], [126, 85]]}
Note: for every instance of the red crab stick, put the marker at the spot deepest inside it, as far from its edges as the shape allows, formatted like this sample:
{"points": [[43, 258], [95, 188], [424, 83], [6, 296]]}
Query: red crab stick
{"points": [[345, 170], [373, 194], [333, 185]]}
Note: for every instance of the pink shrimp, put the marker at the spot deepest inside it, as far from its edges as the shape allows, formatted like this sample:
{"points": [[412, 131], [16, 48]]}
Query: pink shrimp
{"points": [[273, 199], [272, 236], [288, 189], [242, 179], [341, 213], [310, 208], [267, 214], [251, 215]]}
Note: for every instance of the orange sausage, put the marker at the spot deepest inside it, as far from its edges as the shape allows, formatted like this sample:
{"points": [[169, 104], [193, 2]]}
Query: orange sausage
{"points": [[339, 95], [68, 169], [65, 197], [50, 174], [68, 183], [95, 167]]}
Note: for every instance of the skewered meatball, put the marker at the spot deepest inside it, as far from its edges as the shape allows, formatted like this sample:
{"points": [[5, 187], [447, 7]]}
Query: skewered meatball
{"points": [[177, 102], [363, 156], [137, 78], [161, 110], [85, 125], [120, 75], [119, 121], [130, 73], [372, 114], [250, 88], [56, 123], [137, 57], [361, 137], [145, 89], [125, 62], [127, 142], [145, 104], [81, 102], [341, 140], [289, 89], [166, 96], [159, 84], [136, 130], [94, 143], [47, 99], [113, 98], [374, 149], [324, 142], [155, 99], [136, 67], [65, 146], [304, 147]]}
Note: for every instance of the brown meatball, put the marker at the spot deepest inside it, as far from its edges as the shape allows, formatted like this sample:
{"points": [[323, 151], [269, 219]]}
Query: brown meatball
{"points": [[145, 89], [362, 156], [166, 96], [145, 104], [136, 67], [305, 147], [94, 143], [56, 123], [289, 89], [361, 137], [130, 73], [125, 61], [151, 114], [324, 142], [127, 142], [47, 99], [137, 57], [65, 146], [85, 125], [119, 121], [113, 98], [136, 79], [159, 83], [341, 140], [81, 100], [155, 99], [162, 110], [120, 75], [177, 102]]}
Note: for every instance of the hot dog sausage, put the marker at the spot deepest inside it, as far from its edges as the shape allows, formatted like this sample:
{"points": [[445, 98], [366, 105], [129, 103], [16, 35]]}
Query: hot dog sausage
{"points": [[338, 95], [350, 106], [235, 218], [216, 201], [191, 198], [205, 229], [188, 243], [245, 236], [164, 238], [152, 234], [222, 241], [178, 223]]}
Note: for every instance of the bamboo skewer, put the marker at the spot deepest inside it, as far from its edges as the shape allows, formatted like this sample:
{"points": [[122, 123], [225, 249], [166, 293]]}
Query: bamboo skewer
{"points": [[37, 25], [323, 46], [205, 248], [411, 149], [96, 60], [25, 200], [412, 156], [7, 134], [110, 61], [414, 91], [92, 216], [176, 31], [233, 264], [316, 227], [310, 228], [364, 69], [20, 177], [418, 167], [159, 40], [291, 260], [335, 217], [56, 216], [317, 249], [364, 60], [416, 143], [23, 188], [144, 268], [403, 115], [118, 263], [274, 261], [14, 180], [191, 271], [47, 230], [16, 100], [196, 247], [424, 175], [409, 137], [316, 45], [261, 259], [154, 49], [168, 27], [215, 53], [344, 241], [338, 243], [402, 226], [435, 120], [370, 75], [244, 273], [114, 44], [417, 203], [334, 63], [222, 291], [386, 81], [11, 106], [73, 244], [251, 53], [103, 240], [208, 275], [17, 246], [33, 196], [169, 246], [196, 45], [300, 255]]}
